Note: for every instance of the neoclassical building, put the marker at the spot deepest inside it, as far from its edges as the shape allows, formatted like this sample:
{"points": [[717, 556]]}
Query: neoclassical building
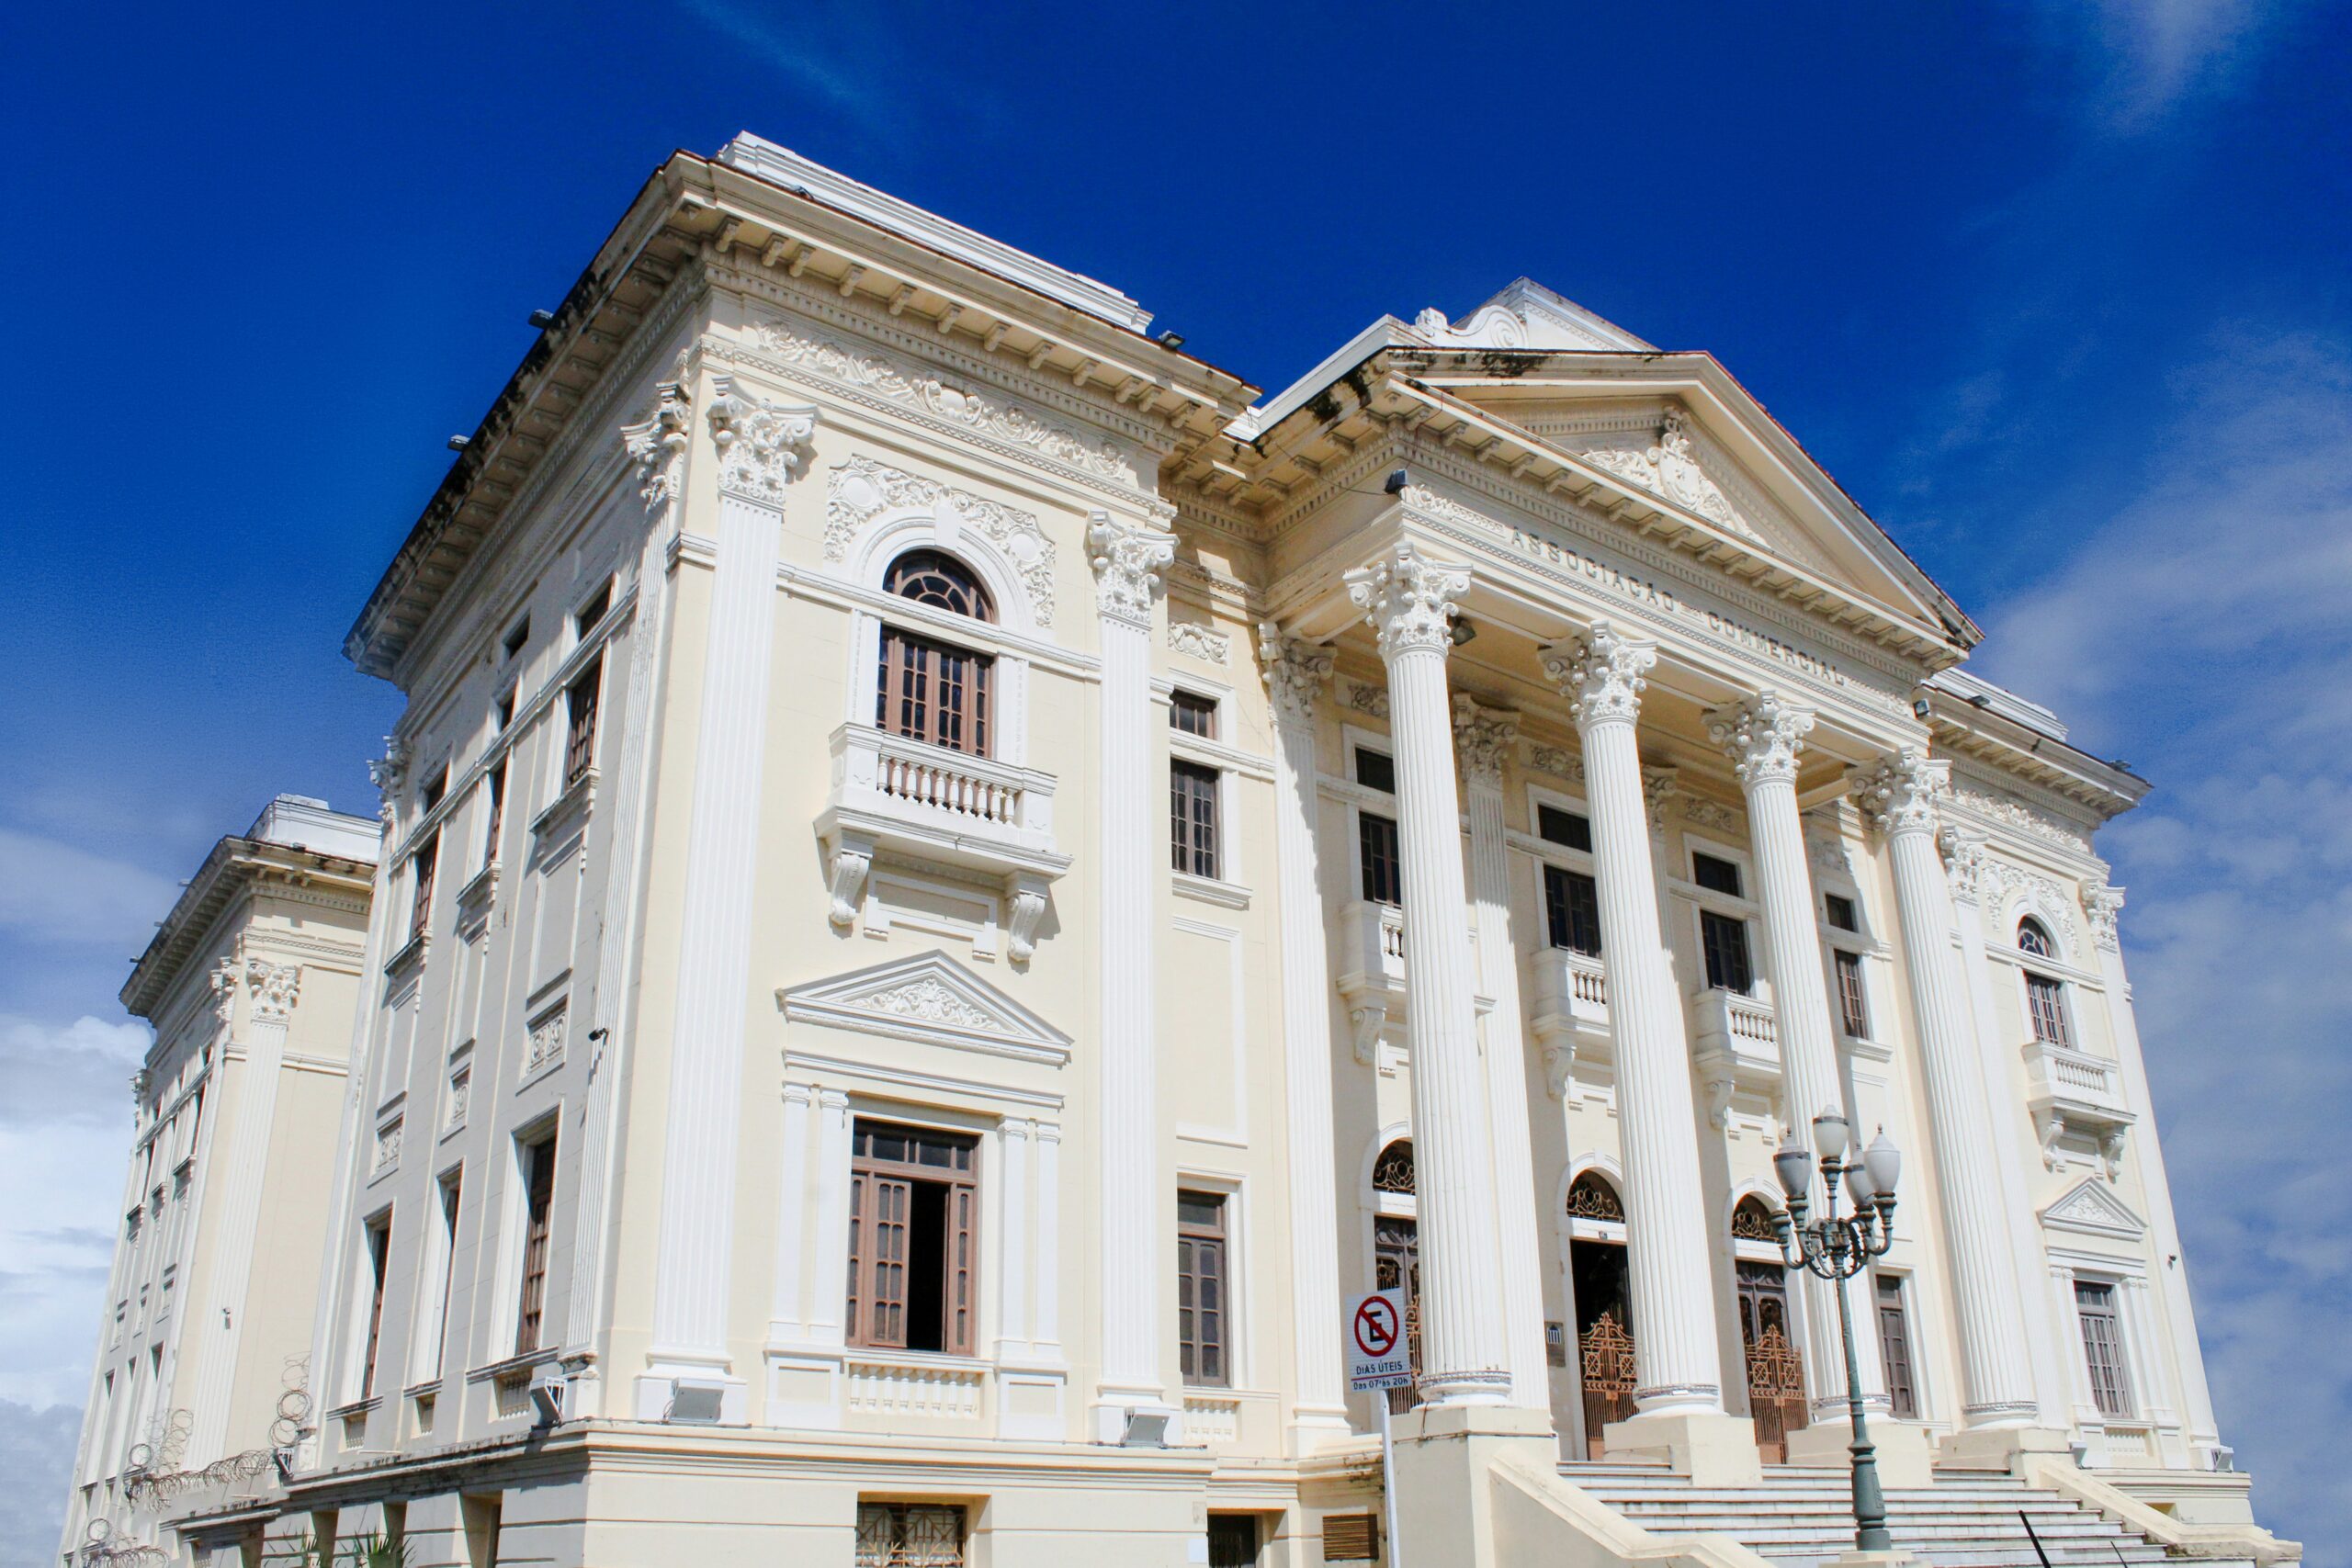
{"points": [[251, 982], [957, 883]]}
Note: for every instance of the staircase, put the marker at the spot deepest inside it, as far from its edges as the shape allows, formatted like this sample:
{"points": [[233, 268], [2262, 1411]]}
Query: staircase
{"points": [[1802, 1517]]}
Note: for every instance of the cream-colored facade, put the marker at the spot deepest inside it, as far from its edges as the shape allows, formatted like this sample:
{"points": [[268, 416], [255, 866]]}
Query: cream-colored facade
{"points": [[252, 983], [978, 884]]}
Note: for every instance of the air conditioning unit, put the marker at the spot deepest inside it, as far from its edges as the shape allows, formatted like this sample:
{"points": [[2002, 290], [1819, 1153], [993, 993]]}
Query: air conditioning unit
{"points": [[546, 1400], [694, 1402]]}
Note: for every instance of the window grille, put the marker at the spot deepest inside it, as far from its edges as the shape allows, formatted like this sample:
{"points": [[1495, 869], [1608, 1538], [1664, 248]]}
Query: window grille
{"points": [[1751, 1221], [909, 1535], [1393, 1171], [1591, 1197]]}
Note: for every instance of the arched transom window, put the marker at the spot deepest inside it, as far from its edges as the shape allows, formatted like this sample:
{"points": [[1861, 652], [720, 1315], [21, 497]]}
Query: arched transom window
{"points": [[2034, 938], [1393, 1171], [1591, 1197], [1751, 1221], [928, 689]]}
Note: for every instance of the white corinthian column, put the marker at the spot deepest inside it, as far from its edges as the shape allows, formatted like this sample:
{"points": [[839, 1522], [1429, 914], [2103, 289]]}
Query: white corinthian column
{"points": [[1676, 1365], [1295, 672], [1762, 737], [1464, 1356], [1483, 737], [760, 446], [1899, 797], [1128, 559]]}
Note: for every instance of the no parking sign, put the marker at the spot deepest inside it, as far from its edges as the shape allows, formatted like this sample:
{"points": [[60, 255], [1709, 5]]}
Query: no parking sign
{"points": [[1378, 1354]]}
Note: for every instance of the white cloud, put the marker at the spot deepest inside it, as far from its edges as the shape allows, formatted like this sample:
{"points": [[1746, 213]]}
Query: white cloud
{"points": [[2150, 56], [54, 892], [64, 1136], [2203, 627], [36, 1469]]}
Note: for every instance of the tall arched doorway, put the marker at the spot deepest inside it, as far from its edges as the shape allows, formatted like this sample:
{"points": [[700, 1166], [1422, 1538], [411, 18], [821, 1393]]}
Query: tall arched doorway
{"points": [[1775, 1366], [1601, 1290], [1397, 1252]]}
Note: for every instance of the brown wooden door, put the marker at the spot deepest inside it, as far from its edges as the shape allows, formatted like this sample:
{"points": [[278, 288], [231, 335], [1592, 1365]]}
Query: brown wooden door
{"points": [[1397, 1266], [1775, 1366], [1605, 1336]]}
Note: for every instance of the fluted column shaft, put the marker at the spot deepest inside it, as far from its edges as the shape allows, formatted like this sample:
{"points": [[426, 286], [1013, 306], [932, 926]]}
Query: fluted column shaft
{"points": [[1677, 1366], [1763, 739], [1483, 738], [760, 445], [1464, 1356], [1294, 676], [1128, 559], [1900, 795]]}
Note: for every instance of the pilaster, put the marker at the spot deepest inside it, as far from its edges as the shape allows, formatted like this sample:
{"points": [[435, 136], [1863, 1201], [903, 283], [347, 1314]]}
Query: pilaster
{"points": [[1296, 673], [1128, 559], [760, 445]]}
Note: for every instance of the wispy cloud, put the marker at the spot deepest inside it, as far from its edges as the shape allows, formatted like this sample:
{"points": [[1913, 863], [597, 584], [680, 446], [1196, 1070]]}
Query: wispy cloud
{"points": [[36, 1469], [856, 87], [2200, 627], [2146, 57], [54, 892]]}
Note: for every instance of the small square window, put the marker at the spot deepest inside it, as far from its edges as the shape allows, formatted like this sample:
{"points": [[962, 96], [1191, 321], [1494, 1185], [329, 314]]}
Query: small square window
{"points": [[1841, 912], [1715, 873], [1375, 770], [517, 637], [1191, 714], [1567, 827], [594, 611]]}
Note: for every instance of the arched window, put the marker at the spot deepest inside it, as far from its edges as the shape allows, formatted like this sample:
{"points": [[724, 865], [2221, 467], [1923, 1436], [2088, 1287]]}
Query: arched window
{"points": [[1751, 1221], [927, 689], [1591, 1197], [2045, 998], [1393, 1171]]}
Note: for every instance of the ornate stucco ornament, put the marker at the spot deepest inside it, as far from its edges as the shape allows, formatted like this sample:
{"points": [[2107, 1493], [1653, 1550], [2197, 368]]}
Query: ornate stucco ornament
{"points": [[1198, 641], [657, 444], [224, 989], [274, 986], [1295, 672], [1762, 737], [1899, 794], [1408, 601], [1667, 468], [761, 444], [1601, 675], [862, 489], [389, 773], [2101, 905], [1482, 737], [1128, 559], [1968, 865]]}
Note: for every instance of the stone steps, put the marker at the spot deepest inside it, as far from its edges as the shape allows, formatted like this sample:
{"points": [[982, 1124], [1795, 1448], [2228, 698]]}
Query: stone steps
{"points": [[1801, 1518]]}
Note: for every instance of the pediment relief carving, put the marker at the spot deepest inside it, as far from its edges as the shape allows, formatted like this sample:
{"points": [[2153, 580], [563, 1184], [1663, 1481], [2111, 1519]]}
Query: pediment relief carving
{"points": [[2090, 1208], [928, 999]]}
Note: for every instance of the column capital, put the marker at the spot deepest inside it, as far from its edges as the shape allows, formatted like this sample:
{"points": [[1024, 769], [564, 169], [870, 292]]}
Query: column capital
{"points": [[2101, 904], [1482, 737], [1409, 602], [761, 444], [1601, 675], [1128, 559], [1899, 794], [657, 444], [1966, 863], [1762, 737], [1296, 671], [275, 988]]}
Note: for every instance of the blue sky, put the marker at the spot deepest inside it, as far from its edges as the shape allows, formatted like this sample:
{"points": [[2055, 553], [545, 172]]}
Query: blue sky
{"points": [[2057, 290]]}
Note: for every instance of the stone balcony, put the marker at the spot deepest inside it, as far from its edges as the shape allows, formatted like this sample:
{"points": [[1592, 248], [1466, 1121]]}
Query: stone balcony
{"points": [[1371, 965], [895, 799], [1739, 1049], [2077, 1102], [1569, 1012]]}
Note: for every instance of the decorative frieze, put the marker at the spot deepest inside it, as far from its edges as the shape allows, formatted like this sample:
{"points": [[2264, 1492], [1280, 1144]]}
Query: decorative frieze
{"points": [[1366, 699], [860, 489], [902, 382], [2016, 814], [1560, 761], [1192, 638]]}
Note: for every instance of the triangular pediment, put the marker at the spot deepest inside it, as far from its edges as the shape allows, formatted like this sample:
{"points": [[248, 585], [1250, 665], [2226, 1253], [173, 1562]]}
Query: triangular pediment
{"points": [[2090, 1207], [931, 998]]}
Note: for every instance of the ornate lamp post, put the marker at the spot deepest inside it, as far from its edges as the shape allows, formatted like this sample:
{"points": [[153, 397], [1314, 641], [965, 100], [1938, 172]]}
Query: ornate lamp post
{"points": [[1836, 1249]]}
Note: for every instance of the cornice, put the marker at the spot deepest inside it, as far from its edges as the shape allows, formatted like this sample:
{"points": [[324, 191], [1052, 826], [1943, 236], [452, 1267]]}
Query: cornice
{"points": [[224, 887]]}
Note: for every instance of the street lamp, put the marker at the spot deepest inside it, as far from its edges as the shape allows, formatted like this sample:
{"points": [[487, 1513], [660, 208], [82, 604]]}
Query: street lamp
{"points": [[1836, 1249]]}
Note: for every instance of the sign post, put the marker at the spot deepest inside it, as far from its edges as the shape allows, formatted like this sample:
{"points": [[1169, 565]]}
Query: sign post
{"points": [[1379, 1359]]}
